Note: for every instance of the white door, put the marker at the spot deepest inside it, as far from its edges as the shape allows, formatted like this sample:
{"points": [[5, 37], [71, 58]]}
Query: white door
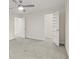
{"points": [[19, 27], [48, 26], [52, 27], [56, 28]]}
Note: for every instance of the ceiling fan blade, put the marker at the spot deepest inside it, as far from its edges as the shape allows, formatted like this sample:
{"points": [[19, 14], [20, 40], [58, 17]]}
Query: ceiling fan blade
{"points": [[28, 5], [15, 1]]}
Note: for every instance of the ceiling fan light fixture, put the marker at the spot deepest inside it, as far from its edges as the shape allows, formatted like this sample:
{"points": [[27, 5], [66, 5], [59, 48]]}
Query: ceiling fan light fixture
{"points": [[20, 8]]}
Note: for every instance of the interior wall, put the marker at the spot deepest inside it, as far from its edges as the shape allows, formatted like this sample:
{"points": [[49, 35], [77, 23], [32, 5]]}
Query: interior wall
{"points": [[37, 18], [11, 27], [67, 27], [35, 26], [62, 26]]}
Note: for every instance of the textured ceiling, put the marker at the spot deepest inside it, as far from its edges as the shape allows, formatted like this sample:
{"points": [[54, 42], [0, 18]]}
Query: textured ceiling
{"points": [[39, 5]]}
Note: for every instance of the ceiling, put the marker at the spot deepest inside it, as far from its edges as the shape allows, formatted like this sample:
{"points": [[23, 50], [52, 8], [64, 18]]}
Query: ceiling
{"points": [[39, 5]]}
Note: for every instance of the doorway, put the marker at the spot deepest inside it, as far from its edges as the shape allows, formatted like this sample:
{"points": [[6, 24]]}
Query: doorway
{"points": [[19, 27]]}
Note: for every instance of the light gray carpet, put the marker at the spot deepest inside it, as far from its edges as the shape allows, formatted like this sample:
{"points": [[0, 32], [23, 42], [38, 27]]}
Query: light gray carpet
{"points": [[34, 49]]}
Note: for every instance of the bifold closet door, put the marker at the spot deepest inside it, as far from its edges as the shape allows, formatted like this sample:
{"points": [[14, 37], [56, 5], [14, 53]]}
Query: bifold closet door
{"points": [[55, 22], [52, 27], [19, 27]]}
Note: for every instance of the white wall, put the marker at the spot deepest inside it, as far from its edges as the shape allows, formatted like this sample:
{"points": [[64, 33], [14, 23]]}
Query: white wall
{"points": [[11, 27], [67, 28], [35, 26], [37, 18]]}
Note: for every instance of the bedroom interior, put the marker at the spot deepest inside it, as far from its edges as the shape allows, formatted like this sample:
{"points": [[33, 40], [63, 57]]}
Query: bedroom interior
{"points": [[38, 29]]}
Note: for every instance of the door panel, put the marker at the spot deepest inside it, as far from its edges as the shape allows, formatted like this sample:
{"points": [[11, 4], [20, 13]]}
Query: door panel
{"points": [[56, 28], [52, 27], [48, 26], [19, 27]]}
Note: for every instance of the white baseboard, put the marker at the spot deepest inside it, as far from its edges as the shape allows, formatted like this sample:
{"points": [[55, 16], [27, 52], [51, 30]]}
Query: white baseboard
{"points": [[28, 37], [11, 38]]}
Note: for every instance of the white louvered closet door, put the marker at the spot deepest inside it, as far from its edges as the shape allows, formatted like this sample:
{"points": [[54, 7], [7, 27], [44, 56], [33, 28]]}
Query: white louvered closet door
{"points": [[56, 28], [52, 27]]}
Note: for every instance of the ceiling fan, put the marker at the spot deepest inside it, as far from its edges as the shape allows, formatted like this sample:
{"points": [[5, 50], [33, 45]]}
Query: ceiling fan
{"points": [[20, 6]]}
